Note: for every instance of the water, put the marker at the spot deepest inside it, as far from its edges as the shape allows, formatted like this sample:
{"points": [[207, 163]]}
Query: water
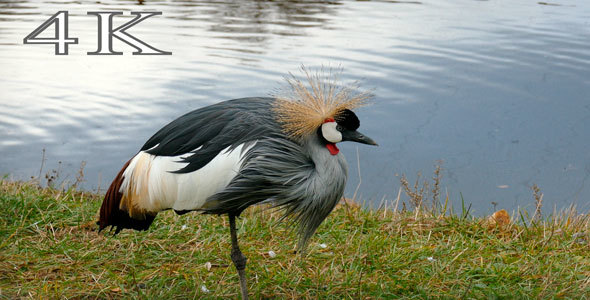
{"points": [[498, 90]]}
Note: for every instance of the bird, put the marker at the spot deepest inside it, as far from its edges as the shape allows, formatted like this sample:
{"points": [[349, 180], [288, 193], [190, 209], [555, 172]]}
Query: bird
{"points": [[221, 159]]}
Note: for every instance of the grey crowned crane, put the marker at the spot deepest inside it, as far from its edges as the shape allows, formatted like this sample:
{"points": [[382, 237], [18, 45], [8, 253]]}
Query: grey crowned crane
{"points": [[222, 158]]}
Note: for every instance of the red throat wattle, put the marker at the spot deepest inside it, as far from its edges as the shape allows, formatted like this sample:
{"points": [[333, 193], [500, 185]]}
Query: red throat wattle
{"points": [[332, 148]]}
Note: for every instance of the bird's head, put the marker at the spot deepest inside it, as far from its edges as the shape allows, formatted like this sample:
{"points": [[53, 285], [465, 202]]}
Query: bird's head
{"points": [[342, 128], [321, 105]]}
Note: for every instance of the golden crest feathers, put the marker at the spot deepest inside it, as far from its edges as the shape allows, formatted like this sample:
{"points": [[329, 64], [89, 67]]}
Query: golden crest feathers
{"points": [[302, 107]]}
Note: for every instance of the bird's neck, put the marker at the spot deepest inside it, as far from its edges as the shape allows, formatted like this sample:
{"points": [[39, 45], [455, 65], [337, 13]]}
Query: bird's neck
{"points": [[327, 159]]}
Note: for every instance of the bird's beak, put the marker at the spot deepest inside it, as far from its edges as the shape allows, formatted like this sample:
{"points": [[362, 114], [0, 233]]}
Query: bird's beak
{"points": [[355, 136]]}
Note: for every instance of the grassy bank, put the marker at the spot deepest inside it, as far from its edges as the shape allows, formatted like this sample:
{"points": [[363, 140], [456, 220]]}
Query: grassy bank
{"points": [[50, 248]]}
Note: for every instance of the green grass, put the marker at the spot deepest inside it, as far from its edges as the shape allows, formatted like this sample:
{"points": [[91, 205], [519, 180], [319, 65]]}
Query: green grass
{"points": [[50, 248]]}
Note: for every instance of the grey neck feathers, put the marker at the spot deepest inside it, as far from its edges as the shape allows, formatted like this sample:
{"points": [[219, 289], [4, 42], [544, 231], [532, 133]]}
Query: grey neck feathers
{"points": [[324, 187], [331, 170]]}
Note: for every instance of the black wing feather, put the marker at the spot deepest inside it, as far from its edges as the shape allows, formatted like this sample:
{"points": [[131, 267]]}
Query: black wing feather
{"points": [[203, 133]]}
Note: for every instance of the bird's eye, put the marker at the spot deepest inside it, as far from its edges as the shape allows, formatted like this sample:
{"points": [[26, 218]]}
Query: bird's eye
{"points": [[339, 128]]}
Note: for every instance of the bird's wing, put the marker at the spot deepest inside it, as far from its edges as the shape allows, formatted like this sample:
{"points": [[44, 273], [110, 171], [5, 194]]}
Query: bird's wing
{"points": [[202, 134]]}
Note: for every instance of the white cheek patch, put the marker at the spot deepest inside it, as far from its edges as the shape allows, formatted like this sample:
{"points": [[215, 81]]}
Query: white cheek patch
{"points": [[330, 133]]}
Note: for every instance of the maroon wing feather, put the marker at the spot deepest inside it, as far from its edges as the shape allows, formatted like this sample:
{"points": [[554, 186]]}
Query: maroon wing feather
{"points": [[112, 215]]}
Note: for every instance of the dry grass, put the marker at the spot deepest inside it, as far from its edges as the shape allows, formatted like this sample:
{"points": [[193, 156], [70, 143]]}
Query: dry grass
{"points": [[538, 202], [50, 249]]}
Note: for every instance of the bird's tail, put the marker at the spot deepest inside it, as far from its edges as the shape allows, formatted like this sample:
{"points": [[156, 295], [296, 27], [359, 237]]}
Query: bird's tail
{"points": [[111, 213]]}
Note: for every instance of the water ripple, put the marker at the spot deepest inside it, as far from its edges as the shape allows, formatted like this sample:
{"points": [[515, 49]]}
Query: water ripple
{"points": [[496, 89]]}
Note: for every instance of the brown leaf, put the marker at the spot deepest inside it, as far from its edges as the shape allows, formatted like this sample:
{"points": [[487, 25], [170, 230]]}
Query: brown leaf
{"points": [[499, 219]]}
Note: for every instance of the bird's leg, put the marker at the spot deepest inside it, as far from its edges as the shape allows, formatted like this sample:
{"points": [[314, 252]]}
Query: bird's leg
{"points": [[237, 257]]}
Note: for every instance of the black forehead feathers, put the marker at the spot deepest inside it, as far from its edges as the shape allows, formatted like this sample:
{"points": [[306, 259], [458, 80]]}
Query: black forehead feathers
{"points": [[348, 119]]}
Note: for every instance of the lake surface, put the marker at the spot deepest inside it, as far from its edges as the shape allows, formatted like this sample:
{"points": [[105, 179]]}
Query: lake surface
{"points": [[497, 90]]}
